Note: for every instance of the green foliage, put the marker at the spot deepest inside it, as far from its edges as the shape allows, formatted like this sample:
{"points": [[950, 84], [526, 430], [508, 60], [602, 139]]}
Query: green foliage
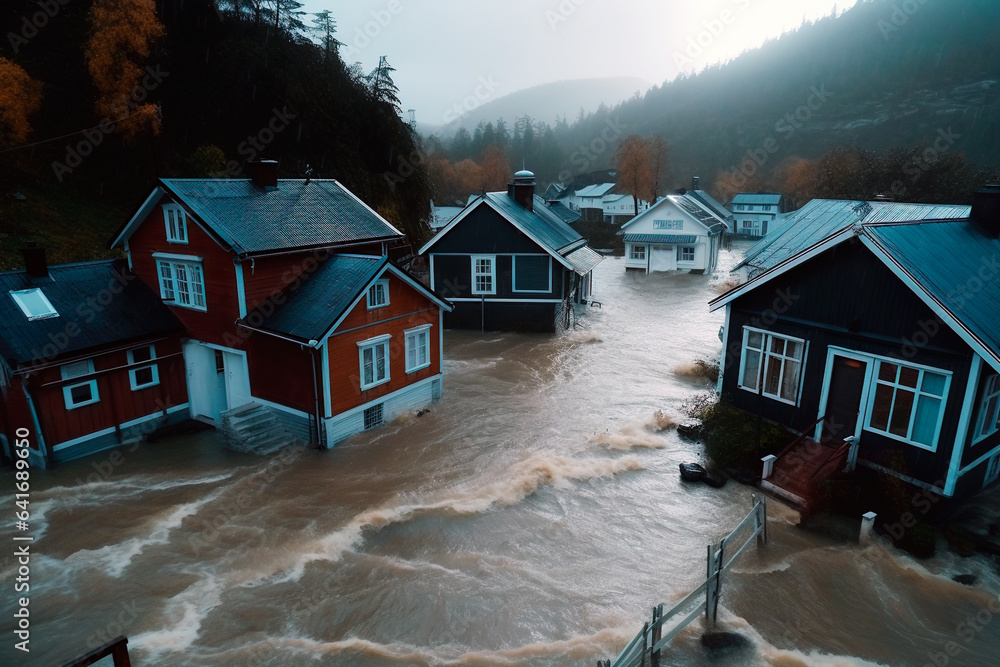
{"points": [[207, 162], [730, 434]]}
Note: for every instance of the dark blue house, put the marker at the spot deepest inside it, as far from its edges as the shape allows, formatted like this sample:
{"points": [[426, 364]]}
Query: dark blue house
{"points": [[508, 262]]}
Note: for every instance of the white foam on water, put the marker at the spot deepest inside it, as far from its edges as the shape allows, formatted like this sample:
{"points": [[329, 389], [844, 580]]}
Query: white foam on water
{"points": [[184, 614], [635, 435]]}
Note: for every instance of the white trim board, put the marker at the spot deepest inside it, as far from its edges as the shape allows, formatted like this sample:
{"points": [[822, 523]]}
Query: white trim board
{"points": [[107, 431]]}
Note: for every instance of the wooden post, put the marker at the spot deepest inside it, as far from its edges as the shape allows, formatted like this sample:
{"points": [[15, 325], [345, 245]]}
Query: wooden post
{"points": [[718, 581], [709, 593], [852, 453], [867, 523], [654, 657], [645, 644], [768, 465]]}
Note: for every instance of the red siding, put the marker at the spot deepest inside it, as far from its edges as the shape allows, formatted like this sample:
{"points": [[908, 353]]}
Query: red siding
{"points": [[217, 265], [281, 372], [412, 309], [118, 402]]}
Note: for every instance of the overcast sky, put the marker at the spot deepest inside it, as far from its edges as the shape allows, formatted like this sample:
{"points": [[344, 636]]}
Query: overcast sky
{"points": [[446, 50]]}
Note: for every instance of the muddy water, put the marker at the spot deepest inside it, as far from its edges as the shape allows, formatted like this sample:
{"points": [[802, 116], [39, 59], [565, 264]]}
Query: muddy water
{"points": [[532, 517]]}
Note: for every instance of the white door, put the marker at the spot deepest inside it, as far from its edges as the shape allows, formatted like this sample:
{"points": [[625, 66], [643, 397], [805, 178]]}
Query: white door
{"points": [[662, 258], [217, 380], [237, 379]]}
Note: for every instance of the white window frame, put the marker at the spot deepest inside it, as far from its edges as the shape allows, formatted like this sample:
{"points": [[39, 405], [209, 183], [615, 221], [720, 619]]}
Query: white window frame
{"points": [[179, 232], [548, 269], [765, 354], [668, 224], [373, 344], [682, 251], [67, 374], [26, 309], [382, 285], [634, 251], [169, 269], [132, 380], [988, 418], [411, 339], [917, 391], [492, 259]]}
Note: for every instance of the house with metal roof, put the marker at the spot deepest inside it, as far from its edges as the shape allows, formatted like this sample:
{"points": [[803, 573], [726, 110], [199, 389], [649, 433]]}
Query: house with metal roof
{"points": [[880, 343], [255, 270], [821, 218], [711, 203], [508, 262], [90, 359], [442, 215], [756, 214], [678, 233]]}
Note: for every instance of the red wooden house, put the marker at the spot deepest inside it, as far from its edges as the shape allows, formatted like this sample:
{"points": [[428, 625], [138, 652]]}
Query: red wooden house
{"points": [[90, 358], [271, 279]]}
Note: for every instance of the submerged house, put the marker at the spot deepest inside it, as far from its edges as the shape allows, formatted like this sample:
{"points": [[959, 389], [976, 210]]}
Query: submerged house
{"points": [[757, 215], [678, 233], [90, 358], [901, 359], [508, 262]]}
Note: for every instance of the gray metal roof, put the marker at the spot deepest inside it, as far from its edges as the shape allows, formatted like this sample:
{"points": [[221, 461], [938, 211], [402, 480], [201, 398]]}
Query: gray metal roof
{"points": [[541, 223], [296, 214], [821, 218], [598, 190], [949, 260], [748, 198], [565, 214], [134, 313], [584, 260], [321, 300], [660, 238], [713, 205], [699, 211], [442, 215]]}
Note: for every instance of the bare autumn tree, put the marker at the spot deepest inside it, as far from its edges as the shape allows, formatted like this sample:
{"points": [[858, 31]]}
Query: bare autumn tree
{"points": [[634, 173], [20, 96], [659, 151], [121, 32]]}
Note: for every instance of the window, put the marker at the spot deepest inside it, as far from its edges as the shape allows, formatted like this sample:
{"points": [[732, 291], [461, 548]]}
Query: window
{"points": [[483, 275], [378, 294], [637, 252], [182, 283], [34, 304], [908, 403], [685, 253], [373, 416], [774, 360], [988, 422], [532, 273], [82, 393], [374, 354], [176, 224], [418, 351], [144, 376], [668, 224]]}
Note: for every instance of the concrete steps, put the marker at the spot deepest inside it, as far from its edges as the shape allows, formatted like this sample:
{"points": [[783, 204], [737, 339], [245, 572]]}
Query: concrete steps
{"points": [[254, 429]]}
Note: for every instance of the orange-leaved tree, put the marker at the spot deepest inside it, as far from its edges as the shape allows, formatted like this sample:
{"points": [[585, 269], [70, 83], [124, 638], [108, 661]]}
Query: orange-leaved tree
{"points": [[121, 32], [20, 96], [635, 175]]}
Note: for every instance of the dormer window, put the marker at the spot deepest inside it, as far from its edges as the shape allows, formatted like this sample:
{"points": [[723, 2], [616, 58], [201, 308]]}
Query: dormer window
{"points": [[176, 223], [378, 295], [34, 304]]}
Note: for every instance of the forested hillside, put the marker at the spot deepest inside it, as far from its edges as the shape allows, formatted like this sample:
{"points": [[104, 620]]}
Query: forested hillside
{"points": [[225, 84], [902, 91]]}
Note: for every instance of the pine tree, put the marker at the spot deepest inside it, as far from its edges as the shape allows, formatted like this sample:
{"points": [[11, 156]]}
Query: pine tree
{"points": [[382, 86]]}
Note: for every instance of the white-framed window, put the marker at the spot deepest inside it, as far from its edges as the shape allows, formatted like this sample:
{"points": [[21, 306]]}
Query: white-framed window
{"points": [[143, 376], [988, 421], [532, 273], [668, 224], [374, 358], [34, 304], [484, 274], [182, 283], [637, 252], [772, 364], [378, 295], [418, 348], [78, 394], [908, 403], [685, 253], [175, 223]]}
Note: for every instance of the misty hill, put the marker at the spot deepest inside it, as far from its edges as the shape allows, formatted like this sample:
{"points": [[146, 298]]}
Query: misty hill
{"points": [[546, 103]]}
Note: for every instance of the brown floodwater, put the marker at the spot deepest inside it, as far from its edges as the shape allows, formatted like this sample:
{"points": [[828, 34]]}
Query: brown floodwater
{"points": [[532, 517]]}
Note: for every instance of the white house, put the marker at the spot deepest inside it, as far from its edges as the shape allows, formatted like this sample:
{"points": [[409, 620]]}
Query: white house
{"points": [[621, 208], [756, 214], [590, 200], [678, 233]]}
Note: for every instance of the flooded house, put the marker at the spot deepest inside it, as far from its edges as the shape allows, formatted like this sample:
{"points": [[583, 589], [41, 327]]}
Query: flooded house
{"points": [[677, 233], [880, 341]]}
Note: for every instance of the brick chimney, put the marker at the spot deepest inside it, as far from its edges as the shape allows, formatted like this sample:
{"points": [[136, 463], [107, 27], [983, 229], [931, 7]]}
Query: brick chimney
{"points": [[522, 190], [34, 260], [263, 173], [986, 209]]}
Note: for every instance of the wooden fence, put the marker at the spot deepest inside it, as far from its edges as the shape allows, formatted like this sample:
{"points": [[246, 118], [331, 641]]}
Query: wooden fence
{"points": [[646, 647]]}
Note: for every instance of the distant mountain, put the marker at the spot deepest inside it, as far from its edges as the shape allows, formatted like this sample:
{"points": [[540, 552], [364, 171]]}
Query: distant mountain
{"points": [[546, 103]]}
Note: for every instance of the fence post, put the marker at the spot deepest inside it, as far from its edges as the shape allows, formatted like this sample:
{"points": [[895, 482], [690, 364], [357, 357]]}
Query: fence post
{"points": [[768, 465], [867, 523], [721, 563], [852, 453], [654, 656], [708, 588]]}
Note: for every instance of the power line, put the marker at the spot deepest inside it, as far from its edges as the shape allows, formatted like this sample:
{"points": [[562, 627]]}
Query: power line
{"points": [[71, 134]]}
